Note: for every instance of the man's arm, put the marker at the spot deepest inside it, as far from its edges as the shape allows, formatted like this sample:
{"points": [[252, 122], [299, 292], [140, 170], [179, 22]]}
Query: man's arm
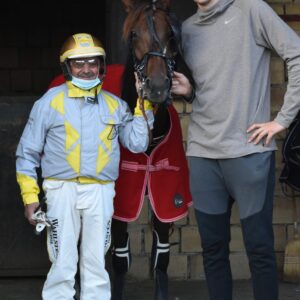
{"points": [[28, 160], [273, 33]]}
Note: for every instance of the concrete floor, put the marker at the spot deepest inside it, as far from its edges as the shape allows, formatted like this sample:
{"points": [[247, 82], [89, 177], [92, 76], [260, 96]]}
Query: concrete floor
{"points": [[30, 289]]}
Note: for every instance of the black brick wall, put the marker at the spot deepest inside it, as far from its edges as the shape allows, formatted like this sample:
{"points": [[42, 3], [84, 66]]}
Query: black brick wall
{"points": [[31, 36]]}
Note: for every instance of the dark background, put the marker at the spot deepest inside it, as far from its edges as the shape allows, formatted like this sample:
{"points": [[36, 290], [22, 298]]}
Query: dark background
{"points": [[31, 34]]}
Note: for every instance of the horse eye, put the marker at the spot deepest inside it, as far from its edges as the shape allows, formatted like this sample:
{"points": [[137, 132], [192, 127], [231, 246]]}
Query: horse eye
{"points": [[172, 46], [133, 34]]}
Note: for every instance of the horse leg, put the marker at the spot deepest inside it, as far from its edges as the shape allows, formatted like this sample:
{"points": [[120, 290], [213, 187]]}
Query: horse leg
{"points": [[121, 258], [160, 256]]}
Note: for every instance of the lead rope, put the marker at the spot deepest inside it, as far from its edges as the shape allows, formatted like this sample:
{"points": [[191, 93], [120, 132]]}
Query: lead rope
{"points": [[142, 107]]}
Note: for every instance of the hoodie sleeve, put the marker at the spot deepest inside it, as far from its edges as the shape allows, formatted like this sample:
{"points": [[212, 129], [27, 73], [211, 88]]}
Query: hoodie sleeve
{"points": [[272, 32]]}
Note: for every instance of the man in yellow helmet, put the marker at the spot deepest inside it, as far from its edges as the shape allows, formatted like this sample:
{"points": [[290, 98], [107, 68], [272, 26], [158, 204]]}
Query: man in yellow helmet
{"points": [[77, 50], [73, 133]]}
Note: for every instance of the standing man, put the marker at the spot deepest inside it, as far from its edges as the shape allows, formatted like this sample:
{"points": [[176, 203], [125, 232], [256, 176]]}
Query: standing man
{"points": [[227, 44], [73, 132]]}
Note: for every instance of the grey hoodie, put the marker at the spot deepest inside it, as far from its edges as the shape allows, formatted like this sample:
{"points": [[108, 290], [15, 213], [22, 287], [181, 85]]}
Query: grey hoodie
{"points": [[228, 49]]}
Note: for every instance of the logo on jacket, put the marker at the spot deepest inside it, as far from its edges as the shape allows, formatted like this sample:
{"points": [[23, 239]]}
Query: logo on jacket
{"points": [[178, 200]]}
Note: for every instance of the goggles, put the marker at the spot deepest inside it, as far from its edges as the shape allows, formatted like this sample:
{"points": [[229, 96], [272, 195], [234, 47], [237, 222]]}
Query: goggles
{"points": [[80, 63]]}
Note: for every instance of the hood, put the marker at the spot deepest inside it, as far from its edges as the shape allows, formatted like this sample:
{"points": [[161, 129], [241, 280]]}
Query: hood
{"points": [[208, 16]]}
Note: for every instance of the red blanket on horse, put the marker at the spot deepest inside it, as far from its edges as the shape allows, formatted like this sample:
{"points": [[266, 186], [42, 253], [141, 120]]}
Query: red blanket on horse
{"points": [[164, 172]]}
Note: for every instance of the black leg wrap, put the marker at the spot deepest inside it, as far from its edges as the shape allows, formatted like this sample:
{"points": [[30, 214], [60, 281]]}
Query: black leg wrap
{"points": [[121, 261], [160, 254], [159, 263], [121, 257]]}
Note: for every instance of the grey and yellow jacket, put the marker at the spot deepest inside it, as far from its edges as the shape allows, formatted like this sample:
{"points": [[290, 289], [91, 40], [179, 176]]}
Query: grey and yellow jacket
{"points": [[74, 135]]}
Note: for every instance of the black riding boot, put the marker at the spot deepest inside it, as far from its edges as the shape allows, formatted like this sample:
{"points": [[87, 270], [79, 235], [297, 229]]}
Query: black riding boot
{"points": [[159, 263], [121, 261]]}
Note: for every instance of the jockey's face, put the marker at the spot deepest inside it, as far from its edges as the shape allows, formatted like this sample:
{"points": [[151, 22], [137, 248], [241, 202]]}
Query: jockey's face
{"points": [[85, 67]]}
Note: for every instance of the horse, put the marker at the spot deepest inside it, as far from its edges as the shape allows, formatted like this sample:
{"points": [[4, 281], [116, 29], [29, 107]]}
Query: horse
{"points": [[153, 35]]}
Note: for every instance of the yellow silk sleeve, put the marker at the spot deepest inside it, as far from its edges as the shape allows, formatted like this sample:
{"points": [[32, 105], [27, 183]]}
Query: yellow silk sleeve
{"points": [[147, 106], [29, 188]]}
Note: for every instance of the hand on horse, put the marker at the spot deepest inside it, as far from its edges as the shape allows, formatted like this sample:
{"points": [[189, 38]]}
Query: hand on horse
{"points": [[181, 85], [138, 86], [142, 103]]}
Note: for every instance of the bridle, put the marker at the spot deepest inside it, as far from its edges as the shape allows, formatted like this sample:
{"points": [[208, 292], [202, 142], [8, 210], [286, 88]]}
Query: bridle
{"points": [[140, 65]]}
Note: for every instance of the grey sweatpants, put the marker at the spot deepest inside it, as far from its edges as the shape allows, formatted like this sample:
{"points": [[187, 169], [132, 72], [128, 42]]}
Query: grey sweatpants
{"points": [[250, 182], [215, 182]]}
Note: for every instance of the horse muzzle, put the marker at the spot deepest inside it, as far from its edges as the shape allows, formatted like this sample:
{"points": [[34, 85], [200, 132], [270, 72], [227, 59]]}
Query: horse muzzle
{"points": [[156, 91]]}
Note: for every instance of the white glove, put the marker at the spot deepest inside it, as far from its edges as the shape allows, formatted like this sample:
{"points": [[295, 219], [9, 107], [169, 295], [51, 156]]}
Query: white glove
{"points": [[42, 221]]}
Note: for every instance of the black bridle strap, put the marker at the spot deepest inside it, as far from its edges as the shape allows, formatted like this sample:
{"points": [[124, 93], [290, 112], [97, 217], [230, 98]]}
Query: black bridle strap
{"points": [[140, 65], [153, 32]]}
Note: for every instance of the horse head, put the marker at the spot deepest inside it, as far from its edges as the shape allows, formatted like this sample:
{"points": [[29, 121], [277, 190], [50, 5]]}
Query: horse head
{"points": [[153, 34]]}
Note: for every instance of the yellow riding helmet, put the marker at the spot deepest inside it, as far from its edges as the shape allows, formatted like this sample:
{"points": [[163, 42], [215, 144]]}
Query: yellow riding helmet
{"points": [[81, 45]]}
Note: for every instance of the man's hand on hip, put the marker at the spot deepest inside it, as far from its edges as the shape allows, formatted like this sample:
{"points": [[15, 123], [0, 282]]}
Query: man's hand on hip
{"points": [[264, 130]]}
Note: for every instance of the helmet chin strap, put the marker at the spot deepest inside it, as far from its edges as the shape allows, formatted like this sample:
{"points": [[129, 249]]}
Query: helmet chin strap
{"points": [[102, 73], [66, 71], [102, 69]]}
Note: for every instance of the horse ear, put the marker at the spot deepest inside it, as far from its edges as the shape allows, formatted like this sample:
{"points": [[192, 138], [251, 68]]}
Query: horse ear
{"points": [[166, 4], [128, 5]]}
